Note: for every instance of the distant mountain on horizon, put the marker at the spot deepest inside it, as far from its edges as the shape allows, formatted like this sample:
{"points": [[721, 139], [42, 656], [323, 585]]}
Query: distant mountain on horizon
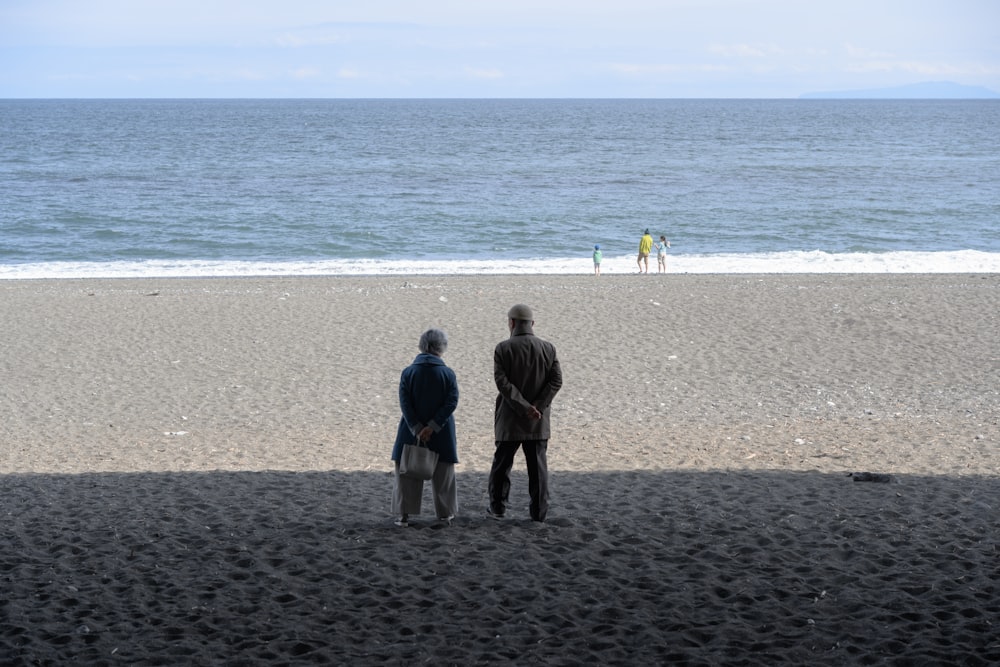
{"points": [[932, 90]]}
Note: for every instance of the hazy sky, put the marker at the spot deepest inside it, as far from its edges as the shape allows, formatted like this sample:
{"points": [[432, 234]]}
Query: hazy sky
{"points": [[503, 48]]}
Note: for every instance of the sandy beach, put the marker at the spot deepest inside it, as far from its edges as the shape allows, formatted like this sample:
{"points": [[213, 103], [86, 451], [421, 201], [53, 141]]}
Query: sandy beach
{"points": [[196, 472]]}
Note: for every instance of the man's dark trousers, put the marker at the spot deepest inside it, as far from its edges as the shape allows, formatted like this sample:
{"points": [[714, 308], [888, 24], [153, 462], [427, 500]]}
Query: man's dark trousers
{"points": [[535, 454]]}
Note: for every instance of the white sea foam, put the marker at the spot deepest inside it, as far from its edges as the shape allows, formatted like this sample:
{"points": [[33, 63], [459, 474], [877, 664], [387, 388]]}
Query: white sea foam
{"points": [[964, 261]]}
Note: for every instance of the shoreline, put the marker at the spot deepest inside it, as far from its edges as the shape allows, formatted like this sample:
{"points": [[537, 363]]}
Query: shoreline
{"points": [[790, 262]]}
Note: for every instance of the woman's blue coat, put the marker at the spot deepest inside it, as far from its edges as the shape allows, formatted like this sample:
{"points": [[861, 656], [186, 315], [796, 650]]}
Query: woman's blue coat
{"points": [[428, 394]]}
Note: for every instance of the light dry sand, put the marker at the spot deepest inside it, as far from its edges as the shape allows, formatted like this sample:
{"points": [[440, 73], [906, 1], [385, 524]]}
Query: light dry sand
{"points": [[196, 472]]}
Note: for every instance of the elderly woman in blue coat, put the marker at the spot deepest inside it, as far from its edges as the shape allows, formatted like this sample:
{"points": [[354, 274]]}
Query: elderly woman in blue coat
{"points": [[428, 396]]}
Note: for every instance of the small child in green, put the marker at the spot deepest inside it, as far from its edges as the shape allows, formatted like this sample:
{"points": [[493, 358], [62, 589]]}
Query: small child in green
{"points": [[597, 260]]}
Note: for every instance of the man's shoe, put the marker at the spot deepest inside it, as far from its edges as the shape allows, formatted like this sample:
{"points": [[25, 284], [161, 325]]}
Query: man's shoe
{"points": [[496, 516]]}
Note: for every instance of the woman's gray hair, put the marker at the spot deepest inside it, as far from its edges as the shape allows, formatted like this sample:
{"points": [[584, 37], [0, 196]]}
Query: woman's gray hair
{"points": [[433, 341]]}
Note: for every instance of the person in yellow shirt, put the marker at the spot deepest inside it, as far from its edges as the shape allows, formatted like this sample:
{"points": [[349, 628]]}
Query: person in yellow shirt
{"points": [[645, 246]]}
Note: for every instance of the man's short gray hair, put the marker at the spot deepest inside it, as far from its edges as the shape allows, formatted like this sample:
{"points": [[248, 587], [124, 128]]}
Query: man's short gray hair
{"points": [[433, 341]]}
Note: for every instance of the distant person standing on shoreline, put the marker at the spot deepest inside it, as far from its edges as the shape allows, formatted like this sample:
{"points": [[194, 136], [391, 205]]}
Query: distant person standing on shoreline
{"points": [[597, 260], [645, 246], [661, 254]]}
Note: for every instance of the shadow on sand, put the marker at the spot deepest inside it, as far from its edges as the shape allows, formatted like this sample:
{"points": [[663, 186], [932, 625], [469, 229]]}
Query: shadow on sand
{"points": [[636, 567]]}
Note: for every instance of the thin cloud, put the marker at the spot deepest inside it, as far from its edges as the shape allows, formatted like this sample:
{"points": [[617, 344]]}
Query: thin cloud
{"points": [[921, 68], [329, 34], [290, 40], [304, 73], [666, 68], [866, 53], [479, 73], [248, 74], [746, 50]]}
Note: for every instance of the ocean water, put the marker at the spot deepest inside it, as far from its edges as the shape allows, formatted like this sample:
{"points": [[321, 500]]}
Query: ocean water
{"points": [[109, 188]]}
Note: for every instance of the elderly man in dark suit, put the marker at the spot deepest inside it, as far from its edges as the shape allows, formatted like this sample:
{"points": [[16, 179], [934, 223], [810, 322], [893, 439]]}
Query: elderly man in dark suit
{"points": [[528, 376]]}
